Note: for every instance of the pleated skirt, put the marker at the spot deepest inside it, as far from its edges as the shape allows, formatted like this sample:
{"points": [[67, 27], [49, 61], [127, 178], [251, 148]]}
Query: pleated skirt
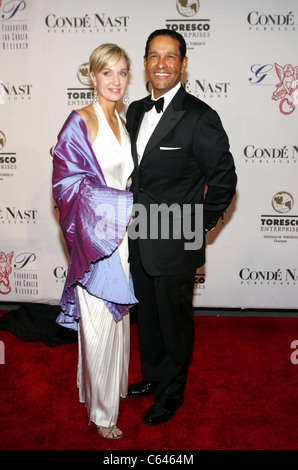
{"points": [[103, 354]]}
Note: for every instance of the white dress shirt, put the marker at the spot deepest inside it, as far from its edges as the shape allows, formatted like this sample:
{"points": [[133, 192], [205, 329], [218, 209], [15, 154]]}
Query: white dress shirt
{"points": [[151, 119]]}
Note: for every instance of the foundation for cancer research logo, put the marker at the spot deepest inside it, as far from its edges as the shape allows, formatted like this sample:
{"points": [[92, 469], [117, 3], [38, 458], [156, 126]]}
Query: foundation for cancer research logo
{"points": [[281, 226], [21, 268], [5, 271], [14, 28], [286, 88], [11, 8]]}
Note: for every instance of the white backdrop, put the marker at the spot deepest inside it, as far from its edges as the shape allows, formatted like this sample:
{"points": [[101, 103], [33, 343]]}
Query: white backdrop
{"points": [[238, 52]]}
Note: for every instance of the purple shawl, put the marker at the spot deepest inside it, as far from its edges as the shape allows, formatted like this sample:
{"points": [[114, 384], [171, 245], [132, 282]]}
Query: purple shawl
{"points": [[93, 220]]}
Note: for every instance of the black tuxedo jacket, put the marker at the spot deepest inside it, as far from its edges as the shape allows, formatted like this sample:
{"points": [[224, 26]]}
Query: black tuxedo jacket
{"points": [[186, 162]]}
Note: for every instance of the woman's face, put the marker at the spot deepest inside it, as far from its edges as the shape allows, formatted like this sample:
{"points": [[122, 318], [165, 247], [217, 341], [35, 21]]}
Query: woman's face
{"points": [[111, 81]]}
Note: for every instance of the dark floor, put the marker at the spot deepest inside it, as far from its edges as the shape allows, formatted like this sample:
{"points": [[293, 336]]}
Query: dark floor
{"points": [[230, 312], [224, 312]]}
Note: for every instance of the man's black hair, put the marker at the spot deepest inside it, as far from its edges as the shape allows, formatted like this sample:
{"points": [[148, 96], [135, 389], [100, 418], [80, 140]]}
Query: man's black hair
{"points": [[172, 34]]}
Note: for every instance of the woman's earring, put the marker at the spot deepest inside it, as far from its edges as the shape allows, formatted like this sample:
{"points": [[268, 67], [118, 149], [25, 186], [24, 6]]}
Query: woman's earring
{"points": [[125, 98], [95, 96]]}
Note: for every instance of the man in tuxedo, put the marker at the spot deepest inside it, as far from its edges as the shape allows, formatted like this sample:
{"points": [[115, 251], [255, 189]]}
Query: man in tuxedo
{"points": [[182, 158]]}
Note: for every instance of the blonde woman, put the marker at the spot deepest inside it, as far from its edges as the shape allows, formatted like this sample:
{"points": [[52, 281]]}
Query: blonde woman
{"points": [[91, 167]]}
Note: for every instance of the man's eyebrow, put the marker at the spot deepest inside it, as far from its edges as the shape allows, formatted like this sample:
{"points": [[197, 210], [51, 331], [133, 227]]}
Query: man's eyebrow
{"points": [[167, 52]]}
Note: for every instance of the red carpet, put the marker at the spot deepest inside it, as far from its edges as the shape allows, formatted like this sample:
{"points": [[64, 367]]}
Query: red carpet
{"points": [[242, 394]]}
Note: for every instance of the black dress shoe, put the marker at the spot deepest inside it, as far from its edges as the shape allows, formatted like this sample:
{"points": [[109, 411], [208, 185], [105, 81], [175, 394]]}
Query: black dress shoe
{"points": [[162, 410], [142, 389]]}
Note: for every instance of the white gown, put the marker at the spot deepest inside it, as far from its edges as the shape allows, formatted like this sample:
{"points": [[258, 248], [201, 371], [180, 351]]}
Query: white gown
{"points": [[103, 344]]}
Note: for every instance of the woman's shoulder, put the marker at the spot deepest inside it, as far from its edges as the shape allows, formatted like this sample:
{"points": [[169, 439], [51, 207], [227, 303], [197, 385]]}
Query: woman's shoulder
{"points": [[88, 115]]}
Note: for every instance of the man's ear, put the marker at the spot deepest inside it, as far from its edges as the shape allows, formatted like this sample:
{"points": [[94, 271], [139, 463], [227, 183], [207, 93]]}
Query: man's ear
{"points": [[184, 64]]}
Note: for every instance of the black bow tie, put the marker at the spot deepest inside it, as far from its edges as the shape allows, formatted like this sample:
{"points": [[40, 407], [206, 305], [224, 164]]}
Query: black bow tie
{"points": [[149, 103]]}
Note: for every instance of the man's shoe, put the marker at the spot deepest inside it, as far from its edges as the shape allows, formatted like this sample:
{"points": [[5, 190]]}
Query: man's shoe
{"points": [[142, 389], [162, 410]]}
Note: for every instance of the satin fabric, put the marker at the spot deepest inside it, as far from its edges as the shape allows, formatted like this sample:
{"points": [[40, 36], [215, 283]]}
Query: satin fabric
{"points": [[103, 344], [93, 219]]}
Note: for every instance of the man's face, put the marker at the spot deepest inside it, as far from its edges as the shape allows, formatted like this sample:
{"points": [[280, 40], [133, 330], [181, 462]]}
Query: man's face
{"points": [[163, 65]]}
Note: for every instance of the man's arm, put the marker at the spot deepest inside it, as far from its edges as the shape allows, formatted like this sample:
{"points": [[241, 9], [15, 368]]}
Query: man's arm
{"points": [[212, 150]]}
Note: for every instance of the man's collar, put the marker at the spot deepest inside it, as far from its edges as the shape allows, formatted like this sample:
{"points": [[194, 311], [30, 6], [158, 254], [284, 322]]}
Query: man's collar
{"points": [[169, 95]]}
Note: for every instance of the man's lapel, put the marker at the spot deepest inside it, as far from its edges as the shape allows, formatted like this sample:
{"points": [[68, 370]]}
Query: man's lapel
{"points": [[139, 113], [170, 118]]}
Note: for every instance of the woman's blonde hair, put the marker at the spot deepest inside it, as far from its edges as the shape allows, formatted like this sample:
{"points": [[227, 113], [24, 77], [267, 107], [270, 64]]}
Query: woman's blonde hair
{"points": [[104, 55]]}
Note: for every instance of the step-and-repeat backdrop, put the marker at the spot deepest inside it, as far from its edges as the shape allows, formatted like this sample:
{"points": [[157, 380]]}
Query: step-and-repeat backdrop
{"points": [[242, 61]]}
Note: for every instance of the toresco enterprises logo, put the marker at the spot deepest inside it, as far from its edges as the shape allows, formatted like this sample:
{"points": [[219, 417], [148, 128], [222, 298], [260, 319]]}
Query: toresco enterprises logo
{"points": [[194, 30], [280, 226]]}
